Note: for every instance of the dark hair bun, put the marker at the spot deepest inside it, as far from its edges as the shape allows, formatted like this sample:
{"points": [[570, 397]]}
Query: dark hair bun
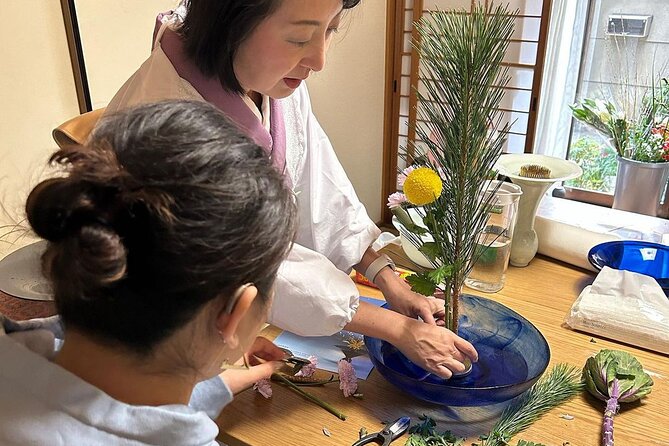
{"points": [[64, 211]]}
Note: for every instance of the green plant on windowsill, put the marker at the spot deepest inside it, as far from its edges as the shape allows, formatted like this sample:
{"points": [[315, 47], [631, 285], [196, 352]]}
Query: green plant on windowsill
{"points": [[599, 164], [639, 133]]}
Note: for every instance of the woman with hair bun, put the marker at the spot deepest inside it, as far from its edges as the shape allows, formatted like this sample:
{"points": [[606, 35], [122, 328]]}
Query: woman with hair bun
{"points": [[165, 235]]}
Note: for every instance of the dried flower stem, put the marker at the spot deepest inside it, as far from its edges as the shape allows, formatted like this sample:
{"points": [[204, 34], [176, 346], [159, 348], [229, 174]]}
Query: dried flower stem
{"points": [[310, 397], [308, 382]]}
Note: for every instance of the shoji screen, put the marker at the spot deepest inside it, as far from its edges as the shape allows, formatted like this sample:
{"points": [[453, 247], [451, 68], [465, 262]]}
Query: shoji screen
{"points": [[524, 59]]}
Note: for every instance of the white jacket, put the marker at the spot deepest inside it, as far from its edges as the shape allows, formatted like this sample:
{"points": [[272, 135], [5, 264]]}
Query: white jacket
{"points": [[314, 294]]}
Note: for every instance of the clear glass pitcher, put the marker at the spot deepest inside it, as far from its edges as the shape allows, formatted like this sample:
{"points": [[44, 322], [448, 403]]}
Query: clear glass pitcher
{"points": [[491, 256]]}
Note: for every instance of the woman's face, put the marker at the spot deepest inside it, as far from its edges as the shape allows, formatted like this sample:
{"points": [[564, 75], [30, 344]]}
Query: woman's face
{"points": [[285, 47]]}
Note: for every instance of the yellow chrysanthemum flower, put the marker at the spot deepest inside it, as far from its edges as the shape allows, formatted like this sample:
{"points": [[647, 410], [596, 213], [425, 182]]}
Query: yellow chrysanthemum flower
{"points": [[422, 186]]}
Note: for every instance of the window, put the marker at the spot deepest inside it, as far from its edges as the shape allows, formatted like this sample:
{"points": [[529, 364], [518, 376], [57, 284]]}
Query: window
{"points": [[525, 58], [597, 49]]}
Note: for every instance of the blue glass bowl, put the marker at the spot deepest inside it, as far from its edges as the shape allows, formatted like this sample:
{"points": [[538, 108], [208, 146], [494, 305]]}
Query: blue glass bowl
{"points": [[512, 356], [651, 259]]}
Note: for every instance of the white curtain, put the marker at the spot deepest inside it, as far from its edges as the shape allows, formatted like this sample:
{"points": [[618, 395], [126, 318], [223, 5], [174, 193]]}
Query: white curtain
{"points": [[564, 49]]}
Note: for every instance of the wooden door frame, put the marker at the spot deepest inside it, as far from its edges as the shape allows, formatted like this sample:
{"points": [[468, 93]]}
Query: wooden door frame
{"points": [[76, 51], [394, 29]]}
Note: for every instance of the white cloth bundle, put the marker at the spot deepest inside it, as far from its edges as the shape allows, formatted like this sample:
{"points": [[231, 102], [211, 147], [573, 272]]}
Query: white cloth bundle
{"points": [[567, 242], [625, 306]]}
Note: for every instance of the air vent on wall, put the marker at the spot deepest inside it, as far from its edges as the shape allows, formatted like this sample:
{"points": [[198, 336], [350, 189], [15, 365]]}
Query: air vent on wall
{"points": [[628, 25]]}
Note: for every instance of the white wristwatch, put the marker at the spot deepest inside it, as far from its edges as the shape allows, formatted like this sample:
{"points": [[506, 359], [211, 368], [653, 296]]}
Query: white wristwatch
{"points": [[377, 265]]}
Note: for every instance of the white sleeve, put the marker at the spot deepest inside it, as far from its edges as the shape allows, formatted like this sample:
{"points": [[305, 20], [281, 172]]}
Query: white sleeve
{"points": [[211, 396], [332, 220], [312, 297]]}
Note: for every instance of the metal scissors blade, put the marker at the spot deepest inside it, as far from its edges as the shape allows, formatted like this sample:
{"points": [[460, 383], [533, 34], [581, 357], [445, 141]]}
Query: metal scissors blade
{"points": [[296, 361], [390, 433]]}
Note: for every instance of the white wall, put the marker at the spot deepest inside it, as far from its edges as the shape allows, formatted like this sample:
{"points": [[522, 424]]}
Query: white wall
{"points": [[347, 98], [36, 94], [113, 51]]}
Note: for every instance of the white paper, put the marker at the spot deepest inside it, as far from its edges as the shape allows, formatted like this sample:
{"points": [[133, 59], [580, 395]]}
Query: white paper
{"points": [[625, 306]]}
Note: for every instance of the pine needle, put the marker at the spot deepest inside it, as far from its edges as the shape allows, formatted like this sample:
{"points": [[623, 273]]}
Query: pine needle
{"points": [[560, 384], [460, 125]]}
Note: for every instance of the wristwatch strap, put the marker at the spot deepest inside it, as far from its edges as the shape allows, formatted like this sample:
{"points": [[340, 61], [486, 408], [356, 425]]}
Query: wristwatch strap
{"points": [[377, 265]]}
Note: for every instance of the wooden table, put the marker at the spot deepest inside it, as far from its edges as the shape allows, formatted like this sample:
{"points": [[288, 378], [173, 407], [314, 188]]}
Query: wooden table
{"points": [[21, 309], [542, 292]]}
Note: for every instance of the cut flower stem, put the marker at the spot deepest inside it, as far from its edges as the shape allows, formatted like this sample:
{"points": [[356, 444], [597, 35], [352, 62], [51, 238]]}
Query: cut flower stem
{"points": [[309, 396]]}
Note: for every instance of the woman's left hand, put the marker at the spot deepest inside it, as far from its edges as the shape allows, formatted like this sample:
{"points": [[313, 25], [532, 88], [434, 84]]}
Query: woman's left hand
{"points": [[401, 299]]}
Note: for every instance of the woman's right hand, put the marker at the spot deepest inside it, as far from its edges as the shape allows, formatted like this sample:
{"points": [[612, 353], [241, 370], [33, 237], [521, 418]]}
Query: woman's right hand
{"points": [[263, 357], [435, 349]]}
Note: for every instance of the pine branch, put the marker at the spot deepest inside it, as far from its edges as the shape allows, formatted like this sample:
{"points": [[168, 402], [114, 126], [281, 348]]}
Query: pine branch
{"points": [[556, 387], [461, 56]]}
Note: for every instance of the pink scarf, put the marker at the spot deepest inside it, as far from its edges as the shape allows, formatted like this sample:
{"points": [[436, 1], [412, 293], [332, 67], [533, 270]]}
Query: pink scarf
{"points": [[232, 104]]}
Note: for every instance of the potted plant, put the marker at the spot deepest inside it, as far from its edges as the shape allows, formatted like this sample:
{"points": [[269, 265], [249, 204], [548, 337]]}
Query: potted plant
{"points": [[640, 137]]}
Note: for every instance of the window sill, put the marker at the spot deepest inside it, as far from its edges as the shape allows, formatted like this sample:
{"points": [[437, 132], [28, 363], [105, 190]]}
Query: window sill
{"points": [[568, 229]]}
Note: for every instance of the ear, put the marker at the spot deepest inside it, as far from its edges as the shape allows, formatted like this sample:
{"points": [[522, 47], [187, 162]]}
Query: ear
{"points": [[227, 321]]}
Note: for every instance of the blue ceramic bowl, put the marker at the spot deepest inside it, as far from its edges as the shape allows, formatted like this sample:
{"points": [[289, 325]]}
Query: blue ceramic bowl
{"points": [[512, 356], [651, 259]]}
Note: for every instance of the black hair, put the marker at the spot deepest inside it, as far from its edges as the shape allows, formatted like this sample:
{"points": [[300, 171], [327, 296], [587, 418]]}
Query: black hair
{"points": [[166, 207], [213, 30]]}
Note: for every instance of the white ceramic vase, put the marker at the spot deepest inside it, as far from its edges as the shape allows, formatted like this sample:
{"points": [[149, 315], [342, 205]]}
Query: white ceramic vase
{"points": [[524, 244]]}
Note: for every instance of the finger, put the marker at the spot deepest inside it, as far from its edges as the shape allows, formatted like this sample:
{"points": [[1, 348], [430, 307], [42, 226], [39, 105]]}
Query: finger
{"points": [[441, 371], [467, 349], [261, 371], [426, 314], [265, 349], [239, 380], [456, 355], [436, 306]]}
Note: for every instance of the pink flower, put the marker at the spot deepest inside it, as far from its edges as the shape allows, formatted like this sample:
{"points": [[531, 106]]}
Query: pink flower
{"points": [[396, 200], [263, 387], [308, 370], [401, 178], [348, 383]]}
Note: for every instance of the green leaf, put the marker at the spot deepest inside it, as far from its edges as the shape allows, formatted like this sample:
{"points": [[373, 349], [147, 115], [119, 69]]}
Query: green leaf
{"points": [[633, 382], [425, 434], [441, 274], [416, 440], [430, 249], [405, 219], [422, 284], [528, 443]]}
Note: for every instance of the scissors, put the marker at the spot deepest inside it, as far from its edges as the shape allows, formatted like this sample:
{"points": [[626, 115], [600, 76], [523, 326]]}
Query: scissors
{"points": [[390, 433], [295, 361]]}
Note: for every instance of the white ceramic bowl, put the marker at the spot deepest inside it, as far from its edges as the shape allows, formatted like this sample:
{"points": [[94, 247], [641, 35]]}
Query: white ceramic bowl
{"points": [[409, 249]]}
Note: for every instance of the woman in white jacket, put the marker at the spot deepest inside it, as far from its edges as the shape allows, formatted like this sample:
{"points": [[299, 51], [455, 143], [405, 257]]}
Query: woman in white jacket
{"points": [[250, 59]]}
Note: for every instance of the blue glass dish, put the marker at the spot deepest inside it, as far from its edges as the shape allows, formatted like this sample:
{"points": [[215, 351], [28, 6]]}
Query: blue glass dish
{"points": [[651, 259], [512, 356]]}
